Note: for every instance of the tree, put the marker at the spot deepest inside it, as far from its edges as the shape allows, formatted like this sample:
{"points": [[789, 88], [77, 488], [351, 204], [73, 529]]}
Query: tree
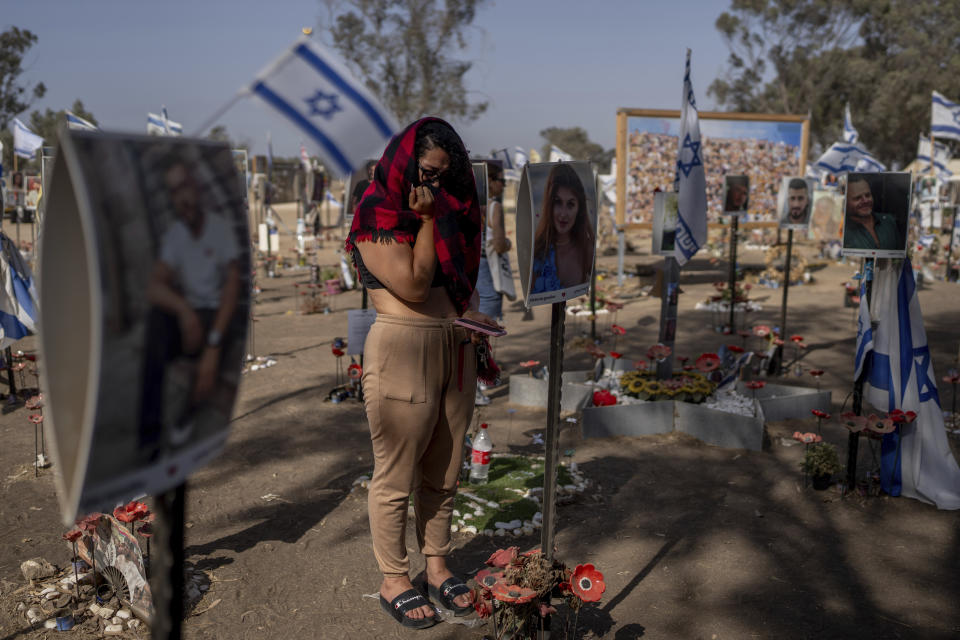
{"points": [[576, 142], [45, 124], [15, 98], [403, 50], [814, 56]]}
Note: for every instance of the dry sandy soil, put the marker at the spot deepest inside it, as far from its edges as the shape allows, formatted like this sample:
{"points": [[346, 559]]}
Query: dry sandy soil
{"points": [[695, 541]]}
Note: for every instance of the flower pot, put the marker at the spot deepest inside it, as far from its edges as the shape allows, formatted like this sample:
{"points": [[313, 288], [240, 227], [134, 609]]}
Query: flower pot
{"points": [[333, 286], [822, 482]]}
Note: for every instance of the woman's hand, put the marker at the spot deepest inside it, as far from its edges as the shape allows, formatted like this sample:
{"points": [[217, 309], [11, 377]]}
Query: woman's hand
{"points": [[421, 201], [475, 336]]}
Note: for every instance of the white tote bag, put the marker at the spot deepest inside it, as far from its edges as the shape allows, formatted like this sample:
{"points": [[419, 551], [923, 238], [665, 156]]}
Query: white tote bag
{"points": [[500, 270]]}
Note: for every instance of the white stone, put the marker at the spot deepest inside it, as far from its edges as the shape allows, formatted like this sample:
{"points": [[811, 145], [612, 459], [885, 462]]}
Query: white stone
{"points": [[106, 612], [488, 532], [528, 531], [538, 516], [467, 516], [469, 529], [527, 523], [48, 591], [500, 532], [126, 614], [518, 532], [50, 624], [456, 514], [513, 524], [116, 620], [573, 467], [570, 488], [33, 614], [454, 528], [479, 512], [113, 630], [134, 624], [95, 609], [473, 505], [365, 484]]}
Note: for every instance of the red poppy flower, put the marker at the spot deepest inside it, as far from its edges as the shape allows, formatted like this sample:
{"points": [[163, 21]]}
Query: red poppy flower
{"points": [[529, 363], [747, 286], [502, 557], [587, 583], [546, 609], [73, 535], [896, 415], [89, 523], [35, 402], [823, 415], [613, 306], [807, 438], [145, 530], [616, 355], [688, 367], [708, 362], [732, 348], [909, 417], [816, 373], [796, 338], [36, 418], [131, 512], [483, 607], [778, 342], [755, 384], [853, 422], [659, 352], [954, 379], [878, 425], [617, 329], [487, 578], [354, 371], [761, 330], [719, 286], [603, 398]]}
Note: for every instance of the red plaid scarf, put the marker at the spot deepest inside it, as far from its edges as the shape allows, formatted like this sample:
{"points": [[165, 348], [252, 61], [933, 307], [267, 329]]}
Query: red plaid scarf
{"points": [[383, 215]]}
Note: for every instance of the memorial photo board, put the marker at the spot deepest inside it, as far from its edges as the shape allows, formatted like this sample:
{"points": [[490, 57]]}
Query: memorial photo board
{"points": [[145, 267], [736, 195], [795, 202], [665, 216], [556, 231], [876, 209]]}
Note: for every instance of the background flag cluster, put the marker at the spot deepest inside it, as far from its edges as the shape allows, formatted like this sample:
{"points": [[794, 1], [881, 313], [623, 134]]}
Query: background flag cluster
{"points": [[945, 118]]}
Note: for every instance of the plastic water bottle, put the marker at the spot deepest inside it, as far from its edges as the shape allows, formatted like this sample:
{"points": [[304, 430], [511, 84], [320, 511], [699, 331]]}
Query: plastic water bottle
{"points": [[480, 457]]}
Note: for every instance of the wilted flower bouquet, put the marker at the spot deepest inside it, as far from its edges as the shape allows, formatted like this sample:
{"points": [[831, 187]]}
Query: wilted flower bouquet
{"points": [[517, 587]]}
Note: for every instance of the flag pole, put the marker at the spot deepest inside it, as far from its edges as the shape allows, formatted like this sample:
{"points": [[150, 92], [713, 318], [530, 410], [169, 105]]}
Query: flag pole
{"points": [[209, 122], [853, 439], [734, 227]]}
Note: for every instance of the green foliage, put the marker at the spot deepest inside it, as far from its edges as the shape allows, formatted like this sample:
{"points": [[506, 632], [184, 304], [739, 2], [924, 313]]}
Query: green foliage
{"points": [[14, 96], [820, 459], [403, 50], [813, 56], [576, 142]]}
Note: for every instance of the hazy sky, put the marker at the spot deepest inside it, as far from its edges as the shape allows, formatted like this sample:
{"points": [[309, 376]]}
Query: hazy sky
{"points": [[540, 63]]}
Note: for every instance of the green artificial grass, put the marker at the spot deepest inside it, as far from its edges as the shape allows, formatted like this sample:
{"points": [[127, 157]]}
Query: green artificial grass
{"points": [[508, 479]]}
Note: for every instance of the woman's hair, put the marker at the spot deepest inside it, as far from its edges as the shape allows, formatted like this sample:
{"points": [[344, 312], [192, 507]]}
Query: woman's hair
{"points": [[563, 175], [458, 178], [494, 171]]}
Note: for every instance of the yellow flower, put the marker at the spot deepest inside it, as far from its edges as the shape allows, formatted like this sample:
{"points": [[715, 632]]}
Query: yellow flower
{"points": [[637, 386]]}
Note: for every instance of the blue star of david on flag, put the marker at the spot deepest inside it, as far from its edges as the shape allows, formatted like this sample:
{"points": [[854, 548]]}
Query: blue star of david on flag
{"points": [[925, 386], [323, 104], [695, 161]]}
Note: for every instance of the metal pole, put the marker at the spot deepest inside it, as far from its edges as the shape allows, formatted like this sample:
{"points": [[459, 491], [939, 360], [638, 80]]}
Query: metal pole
{"points": [[553, 430], [734, 225], [167, 567], [853, 440], [668, 314], [621, 250], [786, 285], [593, 300], [953, 226]]}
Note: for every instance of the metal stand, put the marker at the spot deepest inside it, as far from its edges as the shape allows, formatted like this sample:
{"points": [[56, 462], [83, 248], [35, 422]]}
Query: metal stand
{"points": [[786, 285], [853, 440], [668, 314], [734, 225], [593, 301], [621, 250], [553, 430], [167, 567]]}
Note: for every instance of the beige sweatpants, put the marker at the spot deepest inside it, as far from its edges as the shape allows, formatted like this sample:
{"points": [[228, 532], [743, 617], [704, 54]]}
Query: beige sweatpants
{"points": [[419, 379]]}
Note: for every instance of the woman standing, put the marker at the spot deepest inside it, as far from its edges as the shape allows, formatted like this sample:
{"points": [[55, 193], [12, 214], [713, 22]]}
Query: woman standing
{"points": [[563, 243], [415, 241]]}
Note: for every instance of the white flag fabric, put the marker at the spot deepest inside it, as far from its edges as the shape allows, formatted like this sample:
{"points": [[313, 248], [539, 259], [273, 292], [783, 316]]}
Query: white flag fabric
{"points": [[76, 122], [520, 158], [559, 155], [899, 375], [849, 133], [25, 142], [690, 182], [945, 118], [864, 335], [940, 155], [313, 90], [844, 157], [161, 125], [503, 157], [18, 302]]}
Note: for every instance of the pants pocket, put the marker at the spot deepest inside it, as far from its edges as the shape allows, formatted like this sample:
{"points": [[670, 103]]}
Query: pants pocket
{"points": [[403, 372]]}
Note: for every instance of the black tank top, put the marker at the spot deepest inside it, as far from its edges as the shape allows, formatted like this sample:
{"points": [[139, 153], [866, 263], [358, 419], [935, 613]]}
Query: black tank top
{"points": [[370, 281]]}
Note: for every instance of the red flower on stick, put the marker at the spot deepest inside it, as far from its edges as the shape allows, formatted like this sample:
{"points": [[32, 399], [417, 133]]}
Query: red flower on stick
{"points": [[761, 330], [587, 583], [503, 557], [853, 422], [660, 352], [796, 338], [616, 355], [823, 415], [909, 417], [36, 418], [603, 398], [131, 512], [708, 362], [617, 329], [733, 348], [878, 425], [73, 535], [807, 438], [594, 351], [755, 384]]}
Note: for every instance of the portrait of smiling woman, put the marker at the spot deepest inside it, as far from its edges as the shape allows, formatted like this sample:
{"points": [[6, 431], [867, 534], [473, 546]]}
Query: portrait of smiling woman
{"points": [[564, 239]]}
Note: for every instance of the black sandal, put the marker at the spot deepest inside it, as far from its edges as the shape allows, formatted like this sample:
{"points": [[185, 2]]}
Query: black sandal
{"points": [[408, 601], [447, 591]]}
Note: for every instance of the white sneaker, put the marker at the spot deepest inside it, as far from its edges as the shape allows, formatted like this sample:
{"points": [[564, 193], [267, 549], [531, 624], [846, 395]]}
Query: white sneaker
{"points": [[480, 399]]}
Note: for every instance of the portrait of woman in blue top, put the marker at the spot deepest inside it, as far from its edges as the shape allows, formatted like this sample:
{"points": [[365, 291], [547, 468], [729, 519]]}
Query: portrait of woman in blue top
{"points": [[563, 243]]}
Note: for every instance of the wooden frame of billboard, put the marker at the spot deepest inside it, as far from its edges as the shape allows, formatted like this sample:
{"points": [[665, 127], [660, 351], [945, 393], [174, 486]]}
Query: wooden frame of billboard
{"points": [[624, 113]]}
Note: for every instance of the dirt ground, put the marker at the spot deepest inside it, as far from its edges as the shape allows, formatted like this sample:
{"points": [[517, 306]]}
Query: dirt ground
{"points": [[694, 541]]}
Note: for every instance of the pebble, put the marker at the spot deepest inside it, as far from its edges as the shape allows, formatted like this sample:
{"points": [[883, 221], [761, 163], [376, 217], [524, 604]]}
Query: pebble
{"points": [[204, 587], [454, 528], [50, 624], [479, 512], [126, 614], [48, 591], [500, 532], [488, 532], [134, 624], [33, 615], [113, 630], [730, 402], [527, 531], [359, 480], [513, 524], [95, 609], [469, 529], [117, 620], [517, 532], [365, 484], [106, 612], [456, 514]]}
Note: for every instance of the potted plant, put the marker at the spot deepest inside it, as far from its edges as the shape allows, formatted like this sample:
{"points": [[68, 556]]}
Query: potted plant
{"points": [[820, 462], [331, 280]]}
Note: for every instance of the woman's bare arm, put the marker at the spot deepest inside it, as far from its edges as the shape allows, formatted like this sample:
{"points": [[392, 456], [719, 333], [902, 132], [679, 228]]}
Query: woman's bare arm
{"points": [[501, 244]]}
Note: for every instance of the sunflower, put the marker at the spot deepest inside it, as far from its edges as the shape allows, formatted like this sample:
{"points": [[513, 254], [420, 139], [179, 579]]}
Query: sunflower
{"points": [[654, 387], [637, 386]]}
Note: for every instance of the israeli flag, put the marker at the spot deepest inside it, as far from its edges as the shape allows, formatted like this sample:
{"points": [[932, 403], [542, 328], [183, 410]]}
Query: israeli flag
{"points": [[864, 334], [312, 89], [559, 155], [161, 125], [850, 134], [945, 118], [503, 157], [940, 155], [329, 197], [25, 142], [690, 181], [18, 304], [520, 158], [916, 462], [842, 158], [76, 122]]}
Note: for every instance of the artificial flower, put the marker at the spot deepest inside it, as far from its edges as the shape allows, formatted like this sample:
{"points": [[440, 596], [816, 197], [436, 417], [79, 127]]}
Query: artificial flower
{"points": [[732, 348], [617, 329], [659, 352], [502, 557], [131, 512], [73, 535], [616, 355], [823, 415], [807, 438], [761, 330], [796, 338], [587, 583], [708, 362], [755, 384], [880, 425], [603, 398], [816, 373], [36, 418], [512, 593], [529, 363]]}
